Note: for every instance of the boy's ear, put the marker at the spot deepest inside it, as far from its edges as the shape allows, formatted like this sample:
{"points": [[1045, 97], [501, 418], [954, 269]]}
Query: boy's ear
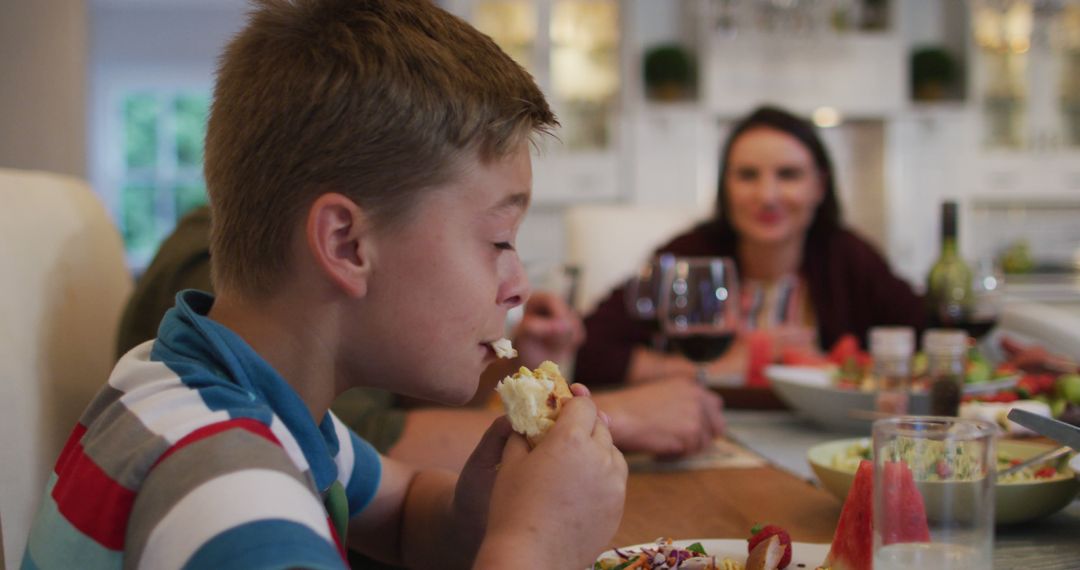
{"points": [[338, 235]]}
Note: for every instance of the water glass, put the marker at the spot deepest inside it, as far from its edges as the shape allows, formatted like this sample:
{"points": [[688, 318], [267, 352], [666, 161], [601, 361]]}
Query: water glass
{"points": [[933, 493]]}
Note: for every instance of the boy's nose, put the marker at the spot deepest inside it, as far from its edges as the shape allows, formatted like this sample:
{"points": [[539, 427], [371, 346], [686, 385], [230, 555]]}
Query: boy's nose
{"points": [[515, 289]]}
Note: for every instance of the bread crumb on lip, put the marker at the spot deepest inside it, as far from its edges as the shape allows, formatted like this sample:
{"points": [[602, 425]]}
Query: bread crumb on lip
{"points": [[503, 348]]}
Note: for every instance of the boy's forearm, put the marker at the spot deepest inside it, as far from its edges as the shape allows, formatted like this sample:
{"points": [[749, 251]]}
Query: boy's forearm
{"points": [[497, 553], [430, 535], [437, 438]]}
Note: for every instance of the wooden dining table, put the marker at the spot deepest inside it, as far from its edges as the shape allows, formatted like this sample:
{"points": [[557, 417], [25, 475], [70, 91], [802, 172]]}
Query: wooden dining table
{"points": [[724, 503]]}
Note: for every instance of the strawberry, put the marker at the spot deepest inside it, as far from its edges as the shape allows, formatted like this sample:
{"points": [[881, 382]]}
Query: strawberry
{"points": [[762, 532]]}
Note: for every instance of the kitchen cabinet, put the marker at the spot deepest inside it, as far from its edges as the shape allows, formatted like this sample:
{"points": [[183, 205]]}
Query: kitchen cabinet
{"points": [[573, 48]]}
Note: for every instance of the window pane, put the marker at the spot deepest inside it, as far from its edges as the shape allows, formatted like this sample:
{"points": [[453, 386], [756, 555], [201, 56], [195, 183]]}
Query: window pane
{"points": [[140, 130], [189, 197], [585, 69], [140, 223], [512, 24], [191, 113]]}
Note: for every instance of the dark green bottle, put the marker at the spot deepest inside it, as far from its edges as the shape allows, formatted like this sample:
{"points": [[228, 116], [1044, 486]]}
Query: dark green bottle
{"points": [[948, 288]]}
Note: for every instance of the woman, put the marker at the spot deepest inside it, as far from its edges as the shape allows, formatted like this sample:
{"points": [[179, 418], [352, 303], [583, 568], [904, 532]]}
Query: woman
{"points": [[778, 218]]}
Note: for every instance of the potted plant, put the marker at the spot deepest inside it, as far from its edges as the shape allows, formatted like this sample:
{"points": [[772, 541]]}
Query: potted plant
{"points": [[669, 72], [934, 73]]}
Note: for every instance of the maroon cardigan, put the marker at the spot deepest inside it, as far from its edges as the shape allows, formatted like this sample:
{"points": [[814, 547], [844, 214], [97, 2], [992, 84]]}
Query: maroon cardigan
{"points": [[851, 289]]}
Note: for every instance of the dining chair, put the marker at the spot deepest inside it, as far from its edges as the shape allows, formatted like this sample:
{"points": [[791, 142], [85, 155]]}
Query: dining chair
{"points": [[63, 284], [610, 241]]}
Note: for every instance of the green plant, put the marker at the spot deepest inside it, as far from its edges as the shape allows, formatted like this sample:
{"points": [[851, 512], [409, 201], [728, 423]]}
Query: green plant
{"points": [[669, 71], [933, 72]]}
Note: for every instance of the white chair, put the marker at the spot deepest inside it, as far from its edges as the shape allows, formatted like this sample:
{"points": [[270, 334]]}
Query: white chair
{"points": [[63, 284], [609, 242]]}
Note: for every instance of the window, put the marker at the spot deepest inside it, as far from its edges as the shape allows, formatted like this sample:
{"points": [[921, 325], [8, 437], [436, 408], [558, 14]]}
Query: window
{"points": [[572, 48], [160, 178]]}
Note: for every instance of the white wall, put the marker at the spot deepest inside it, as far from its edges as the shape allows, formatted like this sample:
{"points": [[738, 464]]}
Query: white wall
{"points": [[43, 85]]}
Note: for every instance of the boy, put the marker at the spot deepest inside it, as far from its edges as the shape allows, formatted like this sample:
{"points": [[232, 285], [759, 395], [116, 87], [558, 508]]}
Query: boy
{"points": [[382, 145]]}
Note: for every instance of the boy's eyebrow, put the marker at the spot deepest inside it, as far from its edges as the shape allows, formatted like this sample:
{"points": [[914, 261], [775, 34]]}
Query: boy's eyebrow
{"points": [[518, 200]]}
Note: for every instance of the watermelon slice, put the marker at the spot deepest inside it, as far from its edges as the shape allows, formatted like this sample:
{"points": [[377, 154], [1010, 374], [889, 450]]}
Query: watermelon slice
{"points": [[853, 544], [904, 500]]}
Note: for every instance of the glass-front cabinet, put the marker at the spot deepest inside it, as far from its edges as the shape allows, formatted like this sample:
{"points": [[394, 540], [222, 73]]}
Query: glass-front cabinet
{"points": [[573, 49]]}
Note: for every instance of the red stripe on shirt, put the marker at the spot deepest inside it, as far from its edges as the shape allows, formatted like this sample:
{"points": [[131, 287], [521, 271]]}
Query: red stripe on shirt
{"points": [[90, 500], [337, 540], [98, 506], [247, 424], [71, 447]]}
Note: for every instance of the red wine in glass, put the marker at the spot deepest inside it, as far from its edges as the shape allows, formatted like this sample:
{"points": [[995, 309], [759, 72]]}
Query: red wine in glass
{"points": [[704, 347], [699, 309]]}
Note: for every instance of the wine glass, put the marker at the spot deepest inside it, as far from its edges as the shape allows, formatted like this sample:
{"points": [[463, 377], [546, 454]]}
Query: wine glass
{"points": [[699, 308], [642, 292]]}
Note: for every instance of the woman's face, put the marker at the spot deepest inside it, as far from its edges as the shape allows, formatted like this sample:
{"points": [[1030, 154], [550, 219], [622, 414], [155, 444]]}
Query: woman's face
{"points": [[773, 187]]}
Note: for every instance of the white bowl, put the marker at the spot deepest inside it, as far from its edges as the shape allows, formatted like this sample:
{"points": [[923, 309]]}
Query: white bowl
{"points": [[1014, 502], [811, 391]]}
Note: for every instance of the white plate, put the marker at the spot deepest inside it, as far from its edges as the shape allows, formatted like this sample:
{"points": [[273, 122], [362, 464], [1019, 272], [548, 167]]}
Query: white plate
{"points": [[823, 377], [811, 555], [992, 386]]}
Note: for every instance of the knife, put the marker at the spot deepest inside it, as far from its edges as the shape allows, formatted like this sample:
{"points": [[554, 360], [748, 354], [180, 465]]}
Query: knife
{"points": [[1058, 431]]}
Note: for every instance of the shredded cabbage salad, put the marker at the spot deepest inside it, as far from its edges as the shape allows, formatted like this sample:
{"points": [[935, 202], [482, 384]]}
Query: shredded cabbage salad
{"points": [[665, 555]]}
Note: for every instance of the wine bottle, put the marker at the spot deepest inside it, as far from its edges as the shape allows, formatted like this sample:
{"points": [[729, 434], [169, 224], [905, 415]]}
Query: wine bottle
{"points": [[948, 288]]}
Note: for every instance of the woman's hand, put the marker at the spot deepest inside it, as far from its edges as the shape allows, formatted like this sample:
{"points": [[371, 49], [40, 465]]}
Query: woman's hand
{"points": [[648, 365], [549, 330], [670, 418]]}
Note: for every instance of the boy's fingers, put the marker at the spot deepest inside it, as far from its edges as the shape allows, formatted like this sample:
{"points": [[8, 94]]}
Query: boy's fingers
{"points": [[489, 452], [579, 390], [516, 448], [577, 413], [601, 434]]}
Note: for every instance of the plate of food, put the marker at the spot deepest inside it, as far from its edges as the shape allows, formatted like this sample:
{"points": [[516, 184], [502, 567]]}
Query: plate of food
{"points": [[1032, 493], [715, 554]]}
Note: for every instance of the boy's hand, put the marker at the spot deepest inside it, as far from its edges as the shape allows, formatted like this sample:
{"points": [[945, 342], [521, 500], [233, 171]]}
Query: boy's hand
{"points": [[670, 418], [558, 505], [472, 495], [549, 330]]}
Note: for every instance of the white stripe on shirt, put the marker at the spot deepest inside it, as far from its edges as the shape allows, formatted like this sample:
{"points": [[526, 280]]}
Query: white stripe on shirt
{"points": [[227, 502], [346, 455]]}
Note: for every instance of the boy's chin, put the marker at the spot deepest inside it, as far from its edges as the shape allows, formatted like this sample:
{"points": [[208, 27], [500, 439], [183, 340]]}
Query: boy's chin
{"points": [[452, 389]]}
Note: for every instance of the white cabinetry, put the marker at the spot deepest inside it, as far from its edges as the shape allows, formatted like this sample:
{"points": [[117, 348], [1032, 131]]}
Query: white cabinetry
{"points": [[859, 74]]}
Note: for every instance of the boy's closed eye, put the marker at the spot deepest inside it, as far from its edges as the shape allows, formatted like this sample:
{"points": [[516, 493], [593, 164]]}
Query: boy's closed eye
{"points": [[504, 245]]}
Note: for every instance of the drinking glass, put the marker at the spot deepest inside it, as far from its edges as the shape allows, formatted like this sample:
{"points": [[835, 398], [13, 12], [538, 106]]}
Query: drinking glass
{"points": [[933, 493], [642, 293], [699, 309], [771, 305]]}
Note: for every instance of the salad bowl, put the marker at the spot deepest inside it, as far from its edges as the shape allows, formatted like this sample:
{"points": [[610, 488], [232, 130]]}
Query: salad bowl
{"points": [[1018, 499]]}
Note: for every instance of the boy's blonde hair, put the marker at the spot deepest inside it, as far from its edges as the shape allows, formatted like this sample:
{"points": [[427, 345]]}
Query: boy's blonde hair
{"points": [[375, 99]]}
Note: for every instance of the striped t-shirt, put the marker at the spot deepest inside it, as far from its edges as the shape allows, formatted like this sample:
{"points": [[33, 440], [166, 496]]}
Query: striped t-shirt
{"points": [[197, 454]]}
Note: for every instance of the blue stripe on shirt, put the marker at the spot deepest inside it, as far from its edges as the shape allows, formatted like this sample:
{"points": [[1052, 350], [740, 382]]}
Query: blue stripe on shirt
{"points": [[267, 544], [366, 474]]}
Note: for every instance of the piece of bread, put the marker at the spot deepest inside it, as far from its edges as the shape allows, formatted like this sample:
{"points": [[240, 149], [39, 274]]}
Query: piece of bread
{"points": [[533, 399], [766, 555], [503, 348]]}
